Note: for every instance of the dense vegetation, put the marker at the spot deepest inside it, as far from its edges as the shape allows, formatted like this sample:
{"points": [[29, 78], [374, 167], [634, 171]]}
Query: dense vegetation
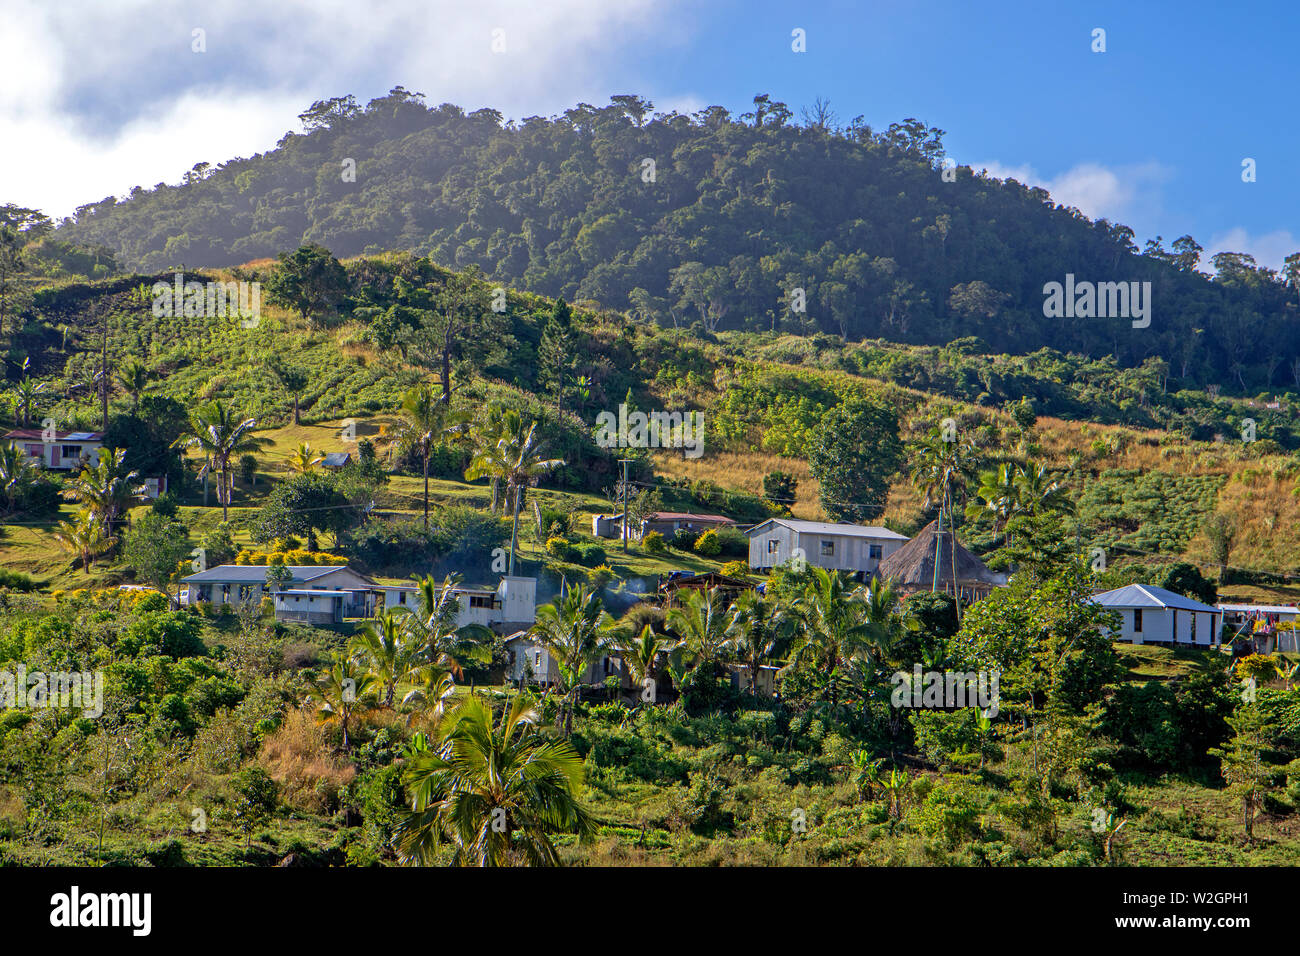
{"points": [[750, 222]]}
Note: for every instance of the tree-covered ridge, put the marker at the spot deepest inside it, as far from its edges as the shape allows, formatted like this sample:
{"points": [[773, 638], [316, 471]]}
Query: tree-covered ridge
{"points": [[714, 221]]}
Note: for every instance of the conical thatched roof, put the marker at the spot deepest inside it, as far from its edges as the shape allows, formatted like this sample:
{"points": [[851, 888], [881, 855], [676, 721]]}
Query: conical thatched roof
{"points": [[912, 565]]}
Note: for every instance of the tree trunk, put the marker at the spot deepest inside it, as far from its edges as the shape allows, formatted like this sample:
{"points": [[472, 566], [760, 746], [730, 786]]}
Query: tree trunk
{"points": [[514, 534], [426, 489], [223, 494], [296, 419]]}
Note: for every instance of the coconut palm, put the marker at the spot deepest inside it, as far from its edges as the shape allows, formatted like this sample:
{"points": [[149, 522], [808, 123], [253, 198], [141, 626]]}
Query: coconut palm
{"points": [[485, 433], [426, 421], [133, 378], [496, 792], [1039, 492], [575, 628], [304, 461], [997, 497], [343, 689], [943, 468], [438, 637], [832, 628], [221, 436], [758, 626], [384, 647], [434, 691], [106, 488], [516, 459], [640, 654], [18, 471], [85, 537], [701, 621]]}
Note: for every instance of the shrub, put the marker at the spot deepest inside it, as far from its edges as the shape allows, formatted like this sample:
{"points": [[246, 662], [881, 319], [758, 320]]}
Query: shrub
{"points": [[653, 542], [600, 576], [561, 550], [593, 555], [684, 540], [736, 569], [708, 544]]}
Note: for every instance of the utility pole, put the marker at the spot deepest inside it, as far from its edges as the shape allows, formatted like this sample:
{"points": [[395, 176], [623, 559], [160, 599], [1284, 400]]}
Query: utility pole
{"points": [[625, 462]]}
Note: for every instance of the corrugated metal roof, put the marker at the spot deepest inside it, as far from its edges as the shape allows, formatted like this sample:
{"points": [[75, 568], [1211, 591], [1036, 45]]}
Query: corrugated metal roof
{"points": [[826, 527], [1148, 595], [1262, 608], [256, 573]]}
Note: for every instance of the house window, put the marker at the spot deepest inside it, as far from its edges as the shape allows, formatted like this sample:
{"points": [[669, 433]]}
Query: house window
{"points": [[828, 549], [1193, 627], [35, 451], [225, 590], [479, 600], [401, 597], [71, 451], [772, 545], [875, 552], [1137, 620], [537, 659], [245, 592]]}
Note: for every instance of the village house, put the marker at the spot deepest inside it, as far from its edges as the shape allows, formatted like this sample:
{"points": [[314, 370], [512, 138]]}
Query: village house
{"points": [[511, 605], [836, 547], [246, 583], [60, 451], [1152, 615], [912, 567], [531, 662]]}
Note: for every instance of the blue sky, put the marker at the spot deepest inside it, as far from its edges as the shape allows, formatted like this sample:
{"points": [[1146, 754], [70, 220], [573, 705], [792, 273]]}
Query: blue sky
{"points": [[1151, 132]]}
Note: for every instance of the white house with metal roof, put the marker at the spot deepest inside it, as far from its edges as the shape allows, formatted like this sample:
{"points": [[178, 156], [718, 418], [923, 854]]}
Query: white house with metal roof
{"points": [[242, 583], [1152, 615], [843, 547], [511, 605]]}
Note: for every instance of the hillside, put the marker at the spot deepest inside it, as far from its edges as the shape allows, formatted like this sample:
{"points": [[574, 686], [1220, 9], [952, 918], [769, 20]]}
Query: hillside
{"points": [[717, 223]]}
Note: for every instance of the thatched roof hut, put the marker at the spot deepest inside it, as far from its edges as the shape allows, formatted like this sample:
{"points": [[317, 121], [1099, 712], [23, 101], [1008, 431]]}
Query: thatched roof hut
{"points": [[911, 567]]}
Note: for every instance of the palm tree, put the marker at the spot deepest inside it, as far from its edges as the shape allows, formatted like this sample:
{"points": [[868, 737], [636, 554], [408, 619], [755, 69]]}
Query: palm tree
{"points": [[880, 602], [832, 627], [575, 628], [427, 421], [516, 459], [383, 646], [133, 377], [496, 792], [757, 628], [640, 654], [943, 468], [343, 688], [106, 488], [219, 433], [439, 639], [18, 471], [1038, 491], [997, 497], [485, 433], [434, 691], [85, 538], [304, 461], [701, 621]]}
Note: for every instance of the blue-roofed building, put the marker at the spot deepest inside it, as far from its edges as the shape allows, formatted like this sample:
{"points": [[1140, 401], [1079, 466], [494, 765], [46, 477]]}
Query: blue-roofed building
{"points": [[1152, 615]]}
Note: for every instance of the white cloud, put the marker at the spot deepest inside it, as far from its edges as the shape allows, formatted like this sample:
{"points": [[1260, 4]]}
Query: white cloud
{"points": [[1269, 249], [96, 98], [1119, 193]]}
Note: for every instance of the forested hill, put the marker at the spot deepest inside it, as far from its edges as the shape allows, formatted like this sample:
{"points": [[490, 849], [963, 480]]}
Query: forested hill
{"points": [[715, 219]]}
